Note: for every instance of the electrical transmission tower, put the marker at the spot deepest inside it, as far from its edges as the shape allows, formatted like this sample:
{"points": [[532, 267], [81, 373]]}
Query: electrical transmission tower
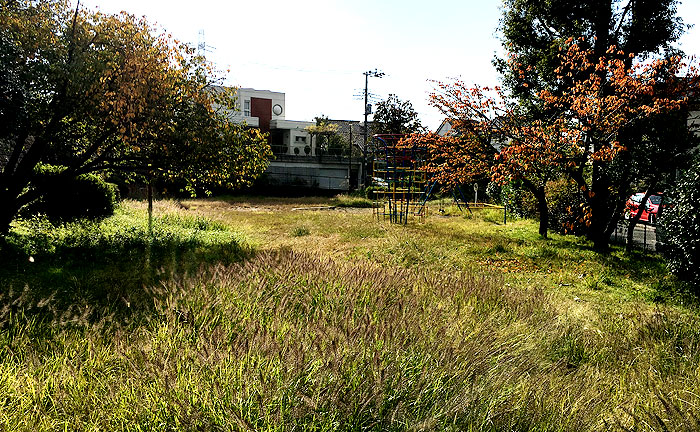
{"points": [[202, 47]]}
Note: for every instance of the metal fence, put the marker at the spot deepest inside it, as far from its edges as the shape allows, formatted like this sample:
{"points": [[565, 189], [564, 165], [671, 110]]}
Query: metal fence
{"points": [[644, 236]]}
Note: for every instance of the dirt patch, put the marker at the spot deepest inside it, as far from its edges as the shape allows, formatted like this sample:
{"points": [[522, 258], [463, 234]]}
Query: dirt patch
{"points": [[279, 204]]}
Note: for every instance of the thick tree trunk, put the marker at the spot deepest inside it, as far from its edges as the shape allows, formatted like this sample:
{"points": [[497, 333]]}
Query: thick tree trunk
{"points": [[543, 210], [599, 192], [602, 24], [602, 208], [6, 217], [541, 197]]}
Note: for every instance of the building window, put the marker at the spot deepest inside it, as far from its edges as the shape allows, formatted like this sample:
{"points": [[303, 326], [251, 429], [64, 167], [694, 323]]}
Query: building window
{"points": [[246, 108], [300, 139]]}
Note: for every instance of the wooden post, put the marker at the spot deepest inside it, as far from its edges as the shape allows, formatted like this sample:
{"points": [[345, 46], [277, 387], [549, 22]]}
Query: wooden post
{"points": [[150, 207]]}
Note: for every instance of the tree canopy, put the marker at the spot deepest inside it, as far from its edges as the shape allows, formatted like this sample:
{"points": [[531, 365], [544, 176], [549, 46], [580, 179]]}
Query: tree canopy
{"points": [[612, 38], [328, 138], [394, 116], [92, 92], [584, 135], [535, 30]]}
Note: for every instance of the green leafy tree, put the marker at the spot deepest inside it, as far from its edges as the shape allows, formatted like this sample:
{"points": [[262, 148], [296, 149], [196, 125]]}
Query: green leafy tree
{"points": [[394, 116], [535, 30], [91, 92], [681, 227], [327, 137]]}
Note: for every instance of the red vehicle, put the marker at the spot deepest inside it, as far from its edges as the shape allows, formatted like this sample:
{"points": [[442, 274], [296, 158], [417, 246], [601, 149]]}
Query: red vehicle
{"points": [[651, 212]]}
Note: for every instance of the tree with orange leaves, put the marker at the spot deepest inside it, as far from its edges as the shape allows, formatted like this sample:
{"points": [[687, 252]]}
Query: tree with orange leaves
{"points": [[601, 97], [492, 138], [608, 97], [89, 92]]}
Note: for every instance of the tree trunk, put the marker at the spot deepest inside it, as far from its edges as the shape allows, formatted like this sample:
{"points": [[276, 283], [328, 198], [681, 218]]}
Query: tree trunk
{"points": [[541, 197], [599, 206], [543, 210], [7, 214]]}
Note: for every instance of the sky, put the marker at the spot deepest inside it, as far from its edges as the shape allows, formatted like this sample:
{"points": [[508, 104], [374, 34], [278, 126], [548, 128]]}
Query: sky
{"points": [[315, 51]]}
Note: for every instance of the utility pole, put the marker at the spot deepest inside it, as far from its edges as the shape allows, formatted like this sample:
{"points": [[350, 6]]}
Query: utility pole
{"points": [[350, 160], [376, 74]]}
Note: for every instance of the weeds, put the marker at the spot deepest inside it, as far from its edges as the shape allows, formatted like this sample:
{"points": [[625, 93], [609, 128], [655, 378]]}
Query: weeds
{"points": [[352, 201], [418, 338], [300, 231], [288, 339]]}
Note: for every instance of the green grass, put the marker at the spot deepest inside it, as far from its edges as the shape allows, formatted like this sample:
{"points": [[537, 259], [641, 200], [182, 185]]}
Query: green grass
{"points": [[336, 322], [352, 201], [109, 262], [300, 231]]}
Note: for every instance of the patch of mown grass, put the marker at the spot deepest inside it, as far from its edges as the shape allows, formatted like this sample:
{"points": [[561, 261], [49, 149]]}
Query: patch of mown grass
{"points": [[352, 201], [479, 243], [356, 233]]}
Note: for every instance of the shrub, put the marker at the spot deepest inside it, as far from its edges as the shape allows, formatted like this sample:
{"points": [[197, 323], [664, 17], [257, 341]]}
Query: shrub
{"points": [[126, 235], [518, 200], [493, 191], [680, 228], [564, 203], [65, 198], [300, 231]]}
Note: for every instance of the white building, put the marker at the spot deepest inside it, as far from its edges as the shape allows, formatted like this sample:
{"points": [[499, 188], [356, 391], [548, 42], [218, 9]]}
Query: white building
{"points": [[261, 102], [297, 161], [266, 110]]}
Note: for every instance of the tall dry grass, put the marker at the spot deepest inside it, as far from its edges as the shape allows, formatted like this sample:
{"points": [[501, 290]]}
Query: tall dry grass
{"points": [[290, 340]]}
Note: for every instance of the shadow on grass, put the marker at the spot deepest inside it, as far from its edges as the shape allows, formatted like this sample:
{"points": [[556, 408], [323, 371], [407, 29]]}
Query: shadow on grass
{"points": [[56, 273]]}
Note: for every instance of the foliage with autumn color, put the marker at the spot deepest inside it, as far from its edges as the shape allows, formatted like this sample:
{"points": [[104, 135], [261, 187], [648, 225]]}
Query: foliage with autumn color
{"points": [[91, 92], [536, 29], [606, 99], [601, 99], [450, 160]]}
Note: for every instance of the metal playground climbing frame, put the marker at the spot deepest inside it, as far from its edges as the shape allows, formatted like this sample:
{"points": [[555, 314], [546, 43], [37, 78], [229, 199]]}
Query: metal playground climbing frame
{"points": [[402, 184], [400, 181]]}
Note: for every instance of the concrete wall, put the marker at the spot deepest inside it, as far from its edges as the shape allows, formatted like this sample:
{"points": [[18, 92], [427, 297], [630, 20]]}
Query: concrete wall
{"points": [[309, 172]]}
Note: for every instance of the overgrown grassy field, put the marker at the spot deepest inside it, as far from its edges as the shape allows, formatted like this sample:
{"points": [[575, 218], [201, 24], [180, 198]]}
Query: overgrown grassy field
{"points": [[281, 314]]}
